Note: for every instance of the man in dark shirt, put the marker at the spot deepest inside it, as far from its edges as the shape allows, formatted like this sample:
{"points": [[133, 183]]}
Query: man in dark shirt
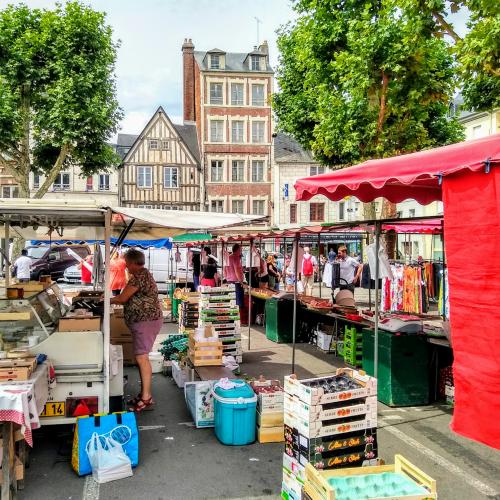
{"points": [[196, 262]]}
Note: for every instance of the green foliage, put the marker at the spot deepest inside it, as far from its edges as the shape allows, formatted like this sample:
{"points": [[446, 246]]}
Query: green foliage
{"points": [[361, 79], [57, 89]]}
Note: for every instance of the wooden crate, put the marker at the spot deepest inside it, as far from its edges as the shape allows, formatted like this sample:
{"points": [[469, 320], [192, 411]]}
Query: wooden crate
{"points": [[205, 353], [18, 470], [317, 486], [22, 362], [15, 373]]}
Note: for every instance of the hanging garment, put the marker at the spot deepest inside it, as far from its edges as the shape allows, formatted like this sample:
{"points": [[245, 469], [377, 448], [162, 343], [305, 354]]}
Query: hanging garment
{"points": [[327, 275], [384, 265]]}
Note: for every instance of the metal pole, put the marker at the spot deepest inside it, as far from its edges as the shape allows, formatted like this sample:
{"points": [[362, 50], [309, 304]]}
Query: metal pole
{"points": [[107, 306], [377, 301], [250, 293], [222, 263], [7, 254], [294, 319], [319, 266], [444, 271]]}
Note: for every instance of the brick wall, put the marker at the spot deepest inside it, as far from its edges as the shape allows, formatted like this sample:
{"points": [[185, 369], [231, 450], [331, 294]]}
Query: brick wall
{"points": [[189, 80]]}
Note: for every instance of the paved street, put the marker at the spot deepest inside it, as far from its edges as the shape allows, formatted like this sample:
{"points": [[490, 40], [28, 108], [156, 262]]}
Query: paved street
{"points": [[181, 462]]}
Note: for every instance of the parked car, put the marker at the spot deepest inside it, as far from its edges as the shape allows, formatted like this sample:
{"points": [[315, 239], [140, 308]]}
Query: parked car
{"points": [[72, 274], [54, 260]]}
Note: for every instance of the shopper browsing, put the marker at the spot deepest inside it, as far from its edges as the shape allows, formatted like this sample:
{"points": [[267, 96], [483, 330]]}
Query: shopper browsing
{"points": [[309, 267], [209, 275], [118, 273], [143, 316], [22, 267], [350, 269], [234, 273]]}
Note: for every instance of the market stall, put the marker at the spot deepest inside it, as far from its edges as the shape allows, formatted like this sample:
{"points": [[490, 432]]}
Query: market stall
{"points": [[464, 176]]}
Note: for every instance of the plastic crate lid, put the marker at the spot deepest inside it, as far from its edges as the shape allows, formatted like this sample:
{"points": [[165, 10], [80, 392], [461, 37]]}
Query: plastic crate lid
{"points": [[241, 390]]}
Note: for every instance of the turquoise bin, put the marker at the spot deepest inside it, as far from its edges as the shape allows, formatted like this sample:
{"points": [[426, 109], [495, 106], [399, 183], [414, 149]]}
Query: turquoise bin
{"points": [[235, 413]]}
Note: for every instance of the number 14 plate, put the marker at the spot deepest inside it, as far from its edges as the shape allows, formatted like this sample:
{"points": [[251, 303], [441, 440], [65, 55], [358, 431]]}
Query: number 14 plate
{"points": [[54, 409]]}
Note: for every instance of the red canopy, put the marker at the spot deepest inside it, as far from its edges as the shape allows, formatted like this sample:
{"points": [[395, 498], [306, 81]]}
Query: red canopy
{"points": [[412, 176]]}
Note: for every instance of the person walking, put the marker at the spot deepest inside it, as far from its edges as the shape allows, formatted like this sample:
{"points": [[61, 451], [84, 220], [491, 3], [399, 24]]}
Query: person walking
{"points": [[86, 276], [22, 267], [350, 269], [309, 267], [196, 264], [144, 318], [272, 271]]}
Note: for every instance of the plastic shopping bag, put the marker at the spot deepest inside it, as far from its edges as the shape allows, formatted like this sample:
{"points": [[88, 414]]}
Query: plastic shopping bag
{"points": [[300, 287], [107, 459]]}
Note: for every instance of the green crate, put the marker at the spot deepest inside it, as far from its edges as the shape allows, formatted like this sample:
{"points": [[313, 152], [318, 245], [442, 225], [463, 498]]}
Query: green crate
{"points": [[403, 367]]}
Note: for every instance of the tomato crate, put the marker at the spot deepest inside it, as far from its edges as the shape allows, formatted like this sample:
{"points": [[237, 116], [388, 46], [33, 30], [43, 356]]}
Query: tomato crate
{"points": [[205, 353], [313, 392], [401, 481], [15, 373], [269, 395], [330, 411]]}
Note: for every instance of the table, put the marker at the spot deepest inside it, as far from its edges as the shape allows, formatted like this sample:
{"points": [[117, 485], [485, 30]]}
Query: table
{"points": [[20, 403]]}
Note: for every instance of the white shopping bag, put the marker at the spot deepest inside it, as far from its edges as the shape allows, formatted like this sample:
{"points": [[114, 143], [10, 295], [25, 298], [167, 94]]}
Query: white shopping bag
{"points": [[108, 460], [300, 287]]}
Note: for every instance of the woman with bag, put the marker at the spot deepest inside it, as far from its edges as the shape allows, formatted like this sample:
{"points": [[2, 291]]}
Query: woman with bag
{"points": [[144, 318]]}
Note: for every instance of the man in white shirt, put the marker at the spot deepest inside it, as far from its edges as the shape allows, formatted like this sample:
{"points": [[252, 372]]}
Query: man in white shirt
{"points": [[23, 267], [350, 269]]}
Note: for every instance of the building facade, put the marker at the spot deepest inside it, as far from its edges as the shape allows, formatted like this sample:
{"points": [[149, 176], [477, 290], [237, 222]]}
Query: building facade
{"points": [[227, 96], [161, 166], [292, 162]]}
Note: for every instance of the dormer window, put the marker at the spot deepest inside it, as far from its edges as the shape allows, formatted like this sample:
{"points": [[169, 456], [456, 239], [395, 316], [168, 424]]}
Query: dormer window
{"points": [[215, 61], [255, 63]]}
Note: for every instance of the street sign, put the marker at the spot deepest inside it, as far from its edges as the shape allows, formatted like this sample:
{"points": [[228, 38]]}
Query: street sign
{"points": [[285, 191]]}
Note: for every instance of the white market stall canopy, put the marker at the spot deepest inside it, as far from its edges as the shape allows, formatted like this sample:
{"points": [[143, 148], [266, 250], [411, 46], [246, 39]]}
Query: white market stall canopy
{"points": [[45, 220]]}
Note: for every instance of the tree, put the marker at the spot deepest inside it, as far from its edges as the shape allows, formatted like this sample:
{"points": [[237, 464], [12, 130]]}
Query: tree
{"points": [[361, 79], [477, 53], [57, 92]]}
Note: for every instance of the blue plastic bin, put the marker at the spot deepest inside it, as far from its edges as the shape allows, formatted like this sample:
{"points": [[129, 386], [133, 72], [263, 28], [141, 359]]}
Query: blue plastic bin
{"points": [[235, 413]]}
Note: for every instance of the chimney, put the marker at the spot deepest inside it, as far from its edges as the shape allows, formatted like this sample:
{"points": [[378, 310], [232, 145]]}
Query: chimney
{"points": [[264, 48], [188, 76]]}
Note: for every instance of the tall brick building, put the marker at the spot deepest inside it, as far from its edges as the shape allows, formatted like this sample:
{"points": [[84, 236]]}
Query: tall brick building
{"points": [[227, 95]]}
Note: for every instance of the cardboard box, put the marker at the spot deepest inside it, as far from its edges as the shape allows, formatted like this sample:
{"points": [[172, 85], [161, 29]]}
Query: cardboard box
{"points": [[270, 419], [272, 401], [128, 353], [179, 374], [75, 324], [118, 329], [270, 434], [16, 373]]}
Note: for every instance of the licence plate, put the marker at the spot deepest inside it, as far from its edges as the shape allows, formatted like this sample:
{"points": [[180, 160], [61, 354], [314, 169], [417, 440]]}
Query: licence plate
{"points": [[55, 409]]}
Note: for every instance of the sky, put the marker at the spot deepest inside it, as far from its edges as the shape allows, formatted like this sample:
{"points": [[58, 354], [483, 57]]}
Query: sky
{"points": [[149, 64], [151, 32]]}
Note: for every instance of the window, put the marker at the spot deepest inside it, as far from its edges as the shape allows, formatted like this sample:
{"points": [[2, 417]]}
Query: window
{"points": [[258, 207], [89, 186], [36, 181], [144, 206], [216, 93], [238, 171], [153, 144], [257, 171], [165, 145], [411, 212], [317, 212], [317, 170], [10, 192], [217, 206], [258, 131], [61, 182], [170, 177], [476, 131], [216, 130], [216, 171], [257, 94], [255, 63], [103, 182], [293, 213], [215, 61], [341, 210], [237, 131], [237, 206], [144, 177], [168, 207], [237, 94]]}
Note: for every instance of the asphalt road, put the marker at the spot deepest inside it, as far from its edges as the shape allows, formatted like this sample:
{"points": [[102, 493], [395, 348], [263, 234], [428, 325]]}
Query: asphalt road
{"points": [[178, 461]]}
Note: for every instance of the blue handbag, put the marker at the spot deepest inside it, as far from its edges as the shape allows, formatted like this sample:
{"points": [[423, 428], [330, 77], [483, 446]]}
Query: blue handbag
{"points": [[122, 427]]}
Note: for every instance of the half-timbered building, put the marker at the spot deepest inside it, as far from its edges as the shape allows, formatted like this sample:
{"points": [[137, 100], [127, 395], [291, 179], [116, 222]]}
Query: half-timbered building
{"points": [[161, 166]]}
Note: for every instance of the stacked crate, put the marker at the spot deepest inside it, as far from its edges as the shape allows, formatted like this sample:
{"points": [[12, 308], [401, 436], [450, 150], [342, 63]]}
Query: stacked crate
{"points": [[270, 427], [218, 309], [330, 422], [353, 346], [188, 314]]}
